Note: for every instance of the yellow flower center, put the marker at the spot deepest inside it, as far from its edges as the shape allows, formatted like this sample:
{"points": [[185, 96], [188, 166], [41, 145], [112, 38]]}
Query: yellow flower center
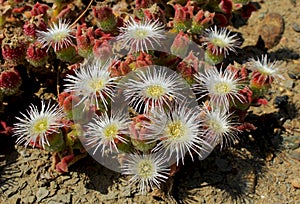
{"points": [[59, 36], [215, 125], [218, 42], [40, 126], [141, 34], [175, 129], [145, 169], [155, 91], [111, 131], [97, 84], [221, 88]]}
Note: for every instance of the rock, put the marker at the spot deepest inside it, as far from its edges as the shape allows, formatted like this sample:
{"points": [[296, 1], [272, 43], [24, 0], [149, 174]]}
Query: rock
{"points": [[296, 27], [281, 101], [296, 183], [271, 29], [41, 194], [72, 181]]}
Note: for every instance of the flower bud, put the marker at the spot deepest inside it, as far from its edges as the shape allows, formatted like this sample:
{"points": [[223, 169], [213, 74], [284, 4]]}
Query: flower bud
{"points": [[226, 6], [137, 131], [10, 82], [213, 59], [39, 9], [36, 55], [180, 45], [202, 20], [183, 17], [188, 67], [66, 54], [56, 142], [13, 50], [102, 50], [85, 40], [105, 18], [119, 68], [30, 27]]}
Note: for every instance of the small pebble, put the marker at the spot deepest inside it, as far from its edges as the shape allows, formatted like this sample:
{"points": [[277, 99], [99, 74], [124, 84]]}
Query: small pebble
{"points": [[281, 101], [296, 27], [296, 183], [72, 181]]}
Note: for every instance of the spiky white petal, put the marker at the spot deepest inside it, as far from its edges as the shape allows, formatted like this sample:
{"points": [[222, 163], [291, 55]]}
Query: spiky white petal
{"points": [[152, 88], [142, 35], [59, 35], [220, 41], [147, 170], [35, 126], [218, 127], [92, 82], [177, 132], [265, 70], [103, 132], [221, 86]]}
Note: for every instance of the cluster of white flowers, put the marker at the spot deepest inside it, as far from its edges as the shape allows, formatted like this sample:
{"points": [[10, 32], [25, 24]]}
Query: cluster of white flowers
{"points": [[174, 127]]}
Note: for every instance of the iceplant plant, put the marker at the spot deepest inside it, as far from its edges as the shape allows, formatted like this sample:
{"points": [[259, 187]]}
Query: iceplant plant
{"points": [[59, 35], [104, 131], [153, 87], [177, 132], [147, 170], [92, 83], [34, 127], [142, 35], [222, 87]]}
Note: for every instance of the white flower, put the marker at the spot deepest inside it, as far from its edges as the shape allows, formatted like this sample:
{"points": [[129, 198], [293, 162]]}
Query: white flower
{"points": [[177, 132], [147, 170], [141, 36], [220, 41], [222, 87], [263, 70], [218, 127], [104, 131], [153, 87], [92, 82], [58, 35], [37, 125]]}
